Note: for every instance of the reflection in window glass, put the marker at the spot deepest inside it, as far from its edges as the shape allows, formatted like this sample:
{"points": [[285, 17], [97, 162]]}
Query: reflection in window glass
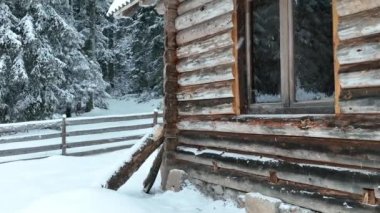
{"points": [[266, 51], [313, 59]]}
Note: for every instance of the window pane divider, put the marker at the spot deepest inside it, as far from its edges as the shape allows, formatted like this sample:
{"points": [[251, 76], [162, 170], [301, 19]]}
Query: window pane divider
{"points": [[292, 78], [284, 50]]}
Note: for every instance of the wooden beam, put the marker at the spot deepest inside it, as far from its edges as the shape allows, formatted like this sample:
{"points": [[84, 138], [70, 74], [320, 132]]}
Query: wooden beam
{"points": [[332, 177], [170, 84], [300, 127], [240, 46], [153, 172], [315, 198], [141, 152], [336, 42], [338, 152]]}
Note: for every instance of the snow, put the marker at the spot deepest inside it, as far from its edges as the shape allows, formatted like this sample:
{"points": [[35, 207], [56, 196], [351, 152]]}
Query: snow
{"points": [[195, 151], [69, 184], [74, 184], [339, 168], [266, 198], [117, 5], [125, 106]]}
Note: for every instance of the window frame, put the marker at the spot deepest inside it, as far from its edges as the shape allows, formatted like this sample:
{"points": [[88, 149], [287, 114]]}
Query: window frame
{"points": [[288, 104]]}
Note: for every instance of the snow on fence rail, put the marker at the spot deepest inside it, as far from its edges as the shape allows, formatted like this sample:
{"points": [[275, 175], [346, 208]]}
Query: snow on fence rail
{"points": [[73, 136]]}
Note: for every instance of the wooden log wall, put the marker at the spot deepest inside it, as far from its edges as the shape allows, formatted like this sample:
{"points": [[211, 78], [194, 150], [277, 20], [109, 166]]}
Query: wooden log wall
{"points": [[205, 57], [330, 160], [328, 163], [357, 36]]}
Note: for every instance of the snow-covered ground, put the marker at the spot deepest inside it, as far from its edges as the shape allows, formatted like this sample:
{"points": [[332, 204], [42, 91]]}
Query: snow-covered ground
{"points": [[129, 105], [73, 184]]}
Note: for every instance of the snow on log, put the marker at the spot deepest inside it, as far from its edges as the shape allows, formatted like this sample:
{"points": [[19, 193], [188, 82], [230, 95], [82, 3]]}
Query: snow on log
{"points": [[141, 152]]}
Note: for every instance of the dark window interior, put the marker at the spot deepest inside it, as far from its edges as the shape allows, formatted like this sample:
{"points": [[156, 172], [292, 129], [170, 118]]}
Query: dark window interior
{"points": [[291, 56], [313, 56], [266, 51]]}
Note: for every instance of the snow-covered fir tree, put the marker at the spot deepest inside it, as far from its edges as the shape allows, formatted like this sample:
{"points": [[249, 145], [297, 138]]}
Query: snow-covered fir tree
{"points": [[56, 54], [139, 51]]}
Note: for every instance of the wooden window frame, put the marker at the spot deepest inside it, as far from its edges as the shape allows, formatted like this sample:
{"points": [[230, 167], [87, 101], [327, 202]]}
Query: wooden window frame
{"points": [[288, 104]]}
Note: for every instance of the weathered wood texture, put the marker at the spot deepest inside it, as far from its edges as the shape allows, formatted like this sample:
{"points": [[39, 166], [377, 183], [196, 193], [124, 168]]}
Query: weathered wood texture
{"points": [[316, 198], [153, 172], [206, 57], [170, 83], [47, 144], [141, 152], [357, 39], [330, 155], [325, 160]]}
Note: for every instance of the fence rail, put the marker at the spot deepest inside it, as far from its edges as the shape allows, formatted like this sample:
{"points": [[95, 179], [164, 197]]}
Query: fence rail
{"points": [[73, 136]]}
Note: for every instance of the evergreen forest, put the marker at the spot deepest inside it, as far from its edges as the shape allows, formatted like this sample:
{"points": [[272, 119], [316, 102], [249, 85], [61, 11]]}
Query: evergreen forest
{"points": [[58, 56]]}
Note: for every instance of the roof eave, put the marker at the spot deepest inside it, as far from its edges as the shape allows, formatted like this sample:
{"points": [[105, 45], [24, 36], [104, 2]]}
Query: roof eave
{"points": [[130, 9], [127, 10]]}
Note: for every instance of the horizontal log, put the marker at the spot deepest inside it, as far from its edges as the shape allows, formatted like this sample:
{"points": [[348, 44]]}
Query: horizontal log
{"points": [[342, 153], [357, 93], [361, 106], [110, 129], [342, 121], [27, 126], [207, 45], [190, 5], [207, 91], [16, 139], [283, 127], [30, 150], [318, 199], [105, 119], [368, 65], [204, 13], [99, 151], [367, 78], [206, 107], [205, 76], [103, 141], [206, 29], [359, 53], [359, 25], [206, 60], [348, 7], [340, 179]]}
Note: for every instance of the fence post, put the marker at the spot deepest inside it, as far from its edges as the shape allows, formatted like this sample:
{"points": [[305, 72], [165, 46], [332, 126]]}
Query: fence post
{"points": [[63, 135], [155, 117]]}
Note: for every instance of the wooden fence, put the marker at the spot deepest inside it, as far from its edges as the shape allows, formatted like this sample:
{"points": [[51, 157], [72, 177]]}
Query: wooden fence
{"points": [[73, 136]]}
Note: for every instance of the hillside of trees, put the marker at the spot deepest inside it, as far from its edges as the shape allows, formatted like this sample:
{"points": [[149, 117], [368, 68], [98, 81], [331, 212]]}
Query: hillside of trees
{"points": [[65, 55]]}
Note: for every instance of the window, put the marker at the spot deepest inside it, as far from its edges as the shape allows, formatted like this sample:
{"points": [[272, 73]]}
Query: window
{"points": [[290, 56]]}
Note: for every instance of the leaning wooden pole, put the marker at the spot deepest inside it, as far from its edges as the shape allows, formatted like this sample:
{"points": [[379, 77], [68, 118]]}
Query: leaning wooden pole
{"points": [[140, 155], [151, 178]]}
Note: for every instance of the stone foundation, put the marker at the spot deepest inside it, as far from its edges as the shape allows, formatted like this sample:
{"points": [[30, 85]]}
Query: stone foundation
{"points": [[252, 202]]}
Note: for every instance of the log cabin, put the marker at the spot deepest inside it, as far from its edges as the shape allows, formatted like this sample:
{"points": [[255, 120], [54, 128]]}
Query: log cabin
{"points": [[280, 97]]}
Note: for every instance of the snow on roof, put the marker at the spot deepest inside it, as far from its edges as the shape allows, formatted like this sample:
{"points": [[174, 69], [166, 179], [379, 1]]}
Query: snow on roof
{"points": [[117, 5]]}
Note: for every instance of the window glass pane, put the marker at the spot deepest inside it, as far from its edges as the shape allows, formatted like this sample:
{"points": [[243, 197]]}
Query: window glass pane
{"points": [[266, 51], [313, 49]]}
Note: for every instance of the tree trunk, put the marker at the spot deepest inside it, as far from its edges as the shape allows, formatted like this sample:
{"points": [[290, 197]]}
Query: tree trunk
{"points": [[93, 28]]}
